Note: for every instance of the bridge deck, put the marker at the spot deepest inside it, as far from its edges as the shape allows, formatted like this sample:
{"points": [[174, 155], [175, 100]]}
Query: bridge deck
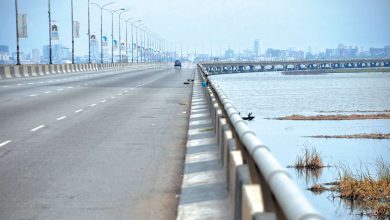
{"points": [[203, 194]]}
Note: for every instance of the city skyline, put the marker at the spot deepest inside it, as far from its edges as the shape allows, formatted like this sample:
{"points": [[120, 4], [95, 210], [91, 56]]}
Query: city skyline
{"points": [[176, 31]]}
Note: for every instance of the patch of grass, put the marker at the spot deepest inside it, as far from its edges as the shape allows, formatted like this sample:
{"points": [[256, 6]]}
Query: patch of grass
{"points": [[361, 136], [362, 187], [311, 159], [336, 117]]}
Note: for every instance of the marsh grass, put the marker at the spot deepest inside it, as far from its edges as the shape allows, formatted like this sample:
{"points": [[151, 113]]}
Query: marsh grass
{"points": [[336, 117], [310, 159], [356, 136], [362, 186]]}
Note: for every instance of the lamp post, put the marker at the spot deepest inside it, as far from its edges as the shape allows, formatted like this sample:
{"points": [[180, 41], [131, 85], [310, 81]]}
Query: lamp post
{"points": [[101, 27], [112, 31], [120, 42], [127, 54], [17, 33], [89, 35], [132, 39], [71, 6], [141, 27], [49, 12]]}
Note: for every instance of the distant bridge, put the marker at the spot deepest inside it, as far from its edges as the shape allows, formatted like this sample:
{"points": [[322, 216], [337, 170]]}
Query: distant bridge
{"points": [[284, 65]]}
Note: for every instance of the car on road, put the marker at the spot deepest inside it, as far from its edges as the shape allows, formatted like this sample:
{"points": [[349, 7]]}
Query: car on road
{"points": [[177, 63]]}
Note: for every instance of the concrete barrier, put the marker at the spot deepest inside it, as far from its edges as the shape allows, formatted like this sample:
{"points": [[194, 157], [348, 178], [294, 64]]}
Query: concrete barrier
{"points": [[5, 72], [33, 70], [24, 71]]}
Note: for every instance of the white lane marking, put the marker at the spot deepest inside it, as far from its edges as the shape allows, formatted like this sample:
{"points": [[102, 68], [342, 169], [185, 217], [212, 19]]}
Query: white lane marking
{"points": [[78, 111], [20, 84], [47, 92], [113, 97], [120, 94], [37, 128], [41, 82], [60, 89], [70, 87], [50, 81], [103, 101], [126, 91], [32, 95], [131, 88], [31, 83], [61, 118], [93, 105], [5, 86], [5, 143]]}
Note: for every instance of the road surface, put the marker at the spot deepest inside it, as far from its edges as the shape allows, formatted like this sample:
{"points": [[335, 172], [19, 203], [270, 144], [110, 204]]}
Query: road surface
{"points": [[100, 145]]}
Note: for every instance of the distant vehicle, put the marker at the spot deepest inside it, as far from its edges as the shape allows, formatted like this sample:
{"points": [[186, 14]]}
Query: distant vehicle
{"points": [[177, 63]]}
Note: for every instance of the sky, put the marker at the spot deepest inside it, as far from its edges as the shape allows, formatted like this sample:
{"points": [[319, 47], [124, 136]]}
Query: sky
{"points": [[212, 24]]}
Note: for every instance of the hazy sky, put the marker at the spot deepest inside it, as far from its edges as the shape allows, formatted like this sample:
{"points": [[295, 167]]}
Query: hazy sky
{"points": [[214, 23]]}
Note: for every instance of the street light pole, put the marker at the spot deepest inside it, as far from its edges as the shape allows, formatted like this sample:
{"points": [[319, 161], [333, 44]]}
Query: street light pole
{"points": [[127, 50], [101, 28], [89, 35], [120, 42], [49, 11], [17, 33], [132, 39], [71, 5], [112, 31]]}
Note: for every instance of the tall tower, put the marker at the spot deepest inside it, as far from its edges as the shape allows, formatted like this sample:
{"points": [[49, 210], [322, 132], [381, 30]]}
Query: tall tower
{"points": [[256, 47]]}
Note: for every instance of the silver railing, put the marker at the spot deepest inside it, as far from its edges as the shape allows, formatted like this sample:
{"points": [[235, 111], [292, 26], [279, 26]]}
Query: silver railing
{"points": [[279, 195]]}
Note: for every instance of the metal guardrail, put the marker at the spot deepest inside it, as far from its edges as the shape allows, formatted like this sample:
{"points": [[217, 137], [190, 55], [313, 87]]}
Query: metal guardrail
{"points": [[276, 184]]}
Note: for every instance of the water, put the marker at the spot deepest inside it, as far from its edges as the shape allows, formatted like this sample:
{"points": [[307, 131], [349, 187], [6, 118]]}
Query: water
{"points": [[272, 94]]}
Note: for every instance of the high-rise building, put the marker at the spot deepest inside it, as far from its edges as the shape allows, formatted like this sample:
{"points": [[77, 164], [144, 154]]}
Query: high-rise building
{"points": [[95, 53], [4, 54], [256, 47], [36, 56]]}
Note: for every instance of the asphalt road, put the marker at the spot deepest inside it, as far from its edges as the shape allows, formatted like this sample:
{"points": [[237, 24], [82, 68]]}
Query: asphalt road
{"points": [[101, 145]]}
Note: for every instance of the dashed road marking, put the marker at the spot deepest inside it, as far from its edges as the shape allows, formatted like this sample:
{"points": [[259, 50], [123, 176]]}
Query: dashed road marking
{"points": [[120, 94], [78, 111], [5, 143], [60, 89], [47, 92], [37, 128], [61, 118], [103, 101], [70, 87], [5, 86], [113, 97], [92, 105], [20, 84], [32, 95]]}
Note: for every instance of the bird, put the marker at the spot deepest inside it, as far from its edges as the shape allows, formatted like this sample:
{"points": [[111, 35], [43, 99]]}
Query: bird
{"points": [[249, 118]]}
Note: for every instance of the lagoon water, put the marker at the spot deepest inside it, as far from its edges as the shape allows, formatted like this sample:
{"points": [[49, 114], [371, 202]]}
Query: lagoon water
{"points": [[271, 94]]}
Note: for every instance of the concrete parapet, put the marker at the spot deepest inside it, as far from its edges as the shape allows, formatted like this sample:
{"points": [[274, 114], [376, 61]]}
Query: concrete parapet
{"points": [[5, 72], [33, 70], [24, 71], [235, 161], [252, 203]]}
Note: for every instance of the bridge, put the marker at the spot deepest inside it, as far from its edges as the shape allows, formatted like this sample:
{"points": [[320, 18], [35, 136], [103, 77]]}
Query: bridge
{"points": [[286, 65], [120, 141]]}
